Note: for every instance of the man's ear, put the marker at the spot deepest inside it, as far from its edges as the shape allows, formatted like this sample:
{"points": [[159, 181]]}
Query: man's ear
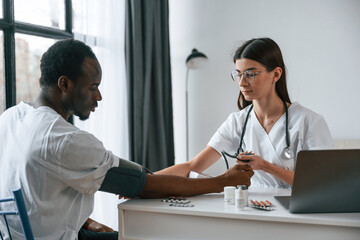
{"points": [[65, 84]]}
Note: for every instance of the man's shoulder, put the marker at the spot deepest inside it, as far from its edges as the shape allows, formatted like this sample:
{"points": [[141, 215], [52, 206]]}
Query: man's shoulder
{"points": [[62, 130]]}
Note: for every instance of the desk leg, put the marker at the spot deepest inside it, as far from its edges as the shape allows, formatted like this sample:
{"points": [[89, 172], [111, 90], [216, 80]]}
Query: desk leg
{"points": [[121, 225], [121, 229]]}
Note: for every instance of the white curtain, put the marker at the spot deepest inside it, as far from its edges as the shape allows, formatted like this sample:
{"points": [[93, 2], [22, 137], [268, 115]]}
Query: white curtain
{"points": [[102, 26]]}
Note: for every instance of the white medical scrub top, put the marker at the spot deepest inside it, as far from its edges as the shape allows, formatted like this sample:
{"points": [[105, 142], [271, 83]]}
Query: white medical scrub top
{"points": [[307, 129], [58, 167]]}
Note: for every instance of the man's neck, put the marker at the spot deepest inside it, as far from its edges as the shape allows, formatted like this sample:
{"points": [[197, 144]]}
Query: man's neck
{"points": [[51, 99]]}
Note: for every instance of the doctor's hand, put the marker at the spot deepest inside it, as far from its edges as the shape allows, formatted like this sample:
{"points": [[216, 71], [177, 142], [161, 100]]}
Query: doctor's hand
{"points": [[95, 226], [255, 161]]}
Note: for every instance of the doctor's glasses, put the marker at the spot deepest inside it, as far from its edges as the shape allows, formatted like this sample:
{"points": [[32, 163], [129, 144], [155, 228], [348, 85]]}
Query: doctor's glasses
{"points": [[248, 75]]}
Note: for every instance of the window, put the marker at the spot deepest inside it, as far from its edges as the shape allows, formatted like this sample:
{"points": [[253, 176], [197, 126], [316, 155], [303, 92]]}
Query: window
{"points": [[49, 13], [28, 52], [26, 32]]}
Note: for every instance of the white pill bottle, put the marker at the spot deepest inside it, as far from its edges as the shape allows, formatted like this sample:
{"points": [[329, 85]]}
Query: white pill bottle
{"points": [[229, 195], [239, 199]]}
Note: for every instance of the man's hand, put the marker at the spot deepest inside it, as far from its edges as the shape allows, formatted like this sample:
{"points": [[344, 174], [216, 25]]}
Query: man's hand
{"points": [[94, 226], [238, 175]]}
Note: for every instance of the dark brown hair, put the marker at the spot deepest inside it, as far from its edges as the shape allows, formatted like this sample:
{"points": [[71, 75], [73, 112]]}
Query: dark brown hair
{"points": [[268, 53]]}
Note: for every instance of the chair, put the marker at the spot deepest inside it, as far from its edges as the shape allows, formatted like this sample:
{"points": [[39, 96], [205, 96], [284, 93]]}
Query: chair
{"points": [[21, 211]]}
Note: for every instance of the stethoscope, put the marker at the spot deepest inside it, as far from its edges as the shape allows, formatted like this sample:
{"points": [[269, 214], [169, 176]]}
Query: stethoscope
{"points": [[288, 152]]}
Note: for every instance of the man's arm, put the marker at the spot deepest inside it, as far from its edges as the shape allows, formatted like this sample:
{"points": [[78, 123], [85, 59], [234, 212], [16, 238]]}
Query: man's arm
{"points": [[168, 185], [130, 180]]}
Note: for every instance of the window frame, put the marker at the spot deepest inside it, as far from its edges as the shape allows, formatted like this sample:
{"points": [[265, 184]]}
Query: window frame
{"points": [[9, 27]]}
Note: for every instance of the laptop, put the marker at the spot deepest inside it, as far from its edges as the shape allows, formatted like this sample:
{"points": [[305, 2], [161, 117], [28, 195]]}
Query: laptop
{"points": [[325, 181]]}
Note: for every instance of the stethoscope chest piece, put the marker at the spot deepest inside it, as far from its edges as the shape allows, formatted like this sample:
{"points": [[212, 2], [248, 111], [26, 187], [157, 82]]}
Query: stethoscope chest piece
{"points": [[289, 153]]}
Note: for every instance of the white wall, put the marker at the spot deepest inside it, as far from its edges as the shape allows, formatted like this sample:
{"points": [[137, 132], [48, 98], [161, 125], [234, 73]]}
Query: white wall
{"points": [[320, 41]]}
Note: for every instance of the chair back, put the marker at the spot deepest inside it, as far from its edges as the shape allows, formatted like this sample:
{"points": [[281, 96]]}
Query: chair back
{"points": [[21, 211]]}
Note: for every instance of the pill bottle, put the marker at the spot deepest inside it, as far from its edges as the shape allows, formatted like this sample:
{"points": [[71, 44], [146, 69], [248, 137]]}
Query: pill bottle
{"points": [[239, 199], [246, 195], [229, 195]]}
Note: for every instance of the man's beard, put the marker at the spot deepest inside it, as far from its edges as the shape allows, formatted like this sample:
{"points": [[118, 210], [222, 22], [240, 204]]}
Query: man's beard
{"points": [[83, 117]]}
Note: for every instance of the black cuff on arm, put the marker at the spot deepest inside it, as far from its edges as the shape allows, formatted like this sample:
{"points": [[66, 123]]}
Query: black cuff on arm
{"points": [[128, 179]]}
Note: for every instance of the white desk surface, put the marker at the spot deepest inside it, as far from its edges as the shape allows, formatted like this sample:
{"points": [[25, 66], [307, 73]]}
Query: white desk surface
{"points": [[212, 206]]}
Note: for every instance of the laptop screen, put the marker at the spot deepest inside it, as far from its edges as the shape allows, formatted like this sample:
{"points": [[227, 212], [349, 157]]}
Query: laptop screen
{"points": [[326, 181]]}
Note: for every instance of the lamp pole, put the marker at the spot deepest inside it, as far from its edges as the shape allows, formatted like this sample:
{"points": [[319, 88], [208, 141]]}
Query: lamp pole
{"points": [[194, 60], [187, 113]]}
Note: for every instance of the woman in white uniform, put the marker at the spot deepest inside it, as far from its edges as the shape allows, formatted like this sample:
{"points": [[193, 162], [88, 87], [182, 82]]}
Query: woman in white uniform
{"points": [[268, 126]]}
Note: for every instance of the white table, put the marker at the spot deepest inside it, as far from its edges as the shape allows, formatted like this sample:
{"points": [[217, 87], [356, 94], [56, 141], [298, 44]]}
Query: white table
{"points": [[210, 218]]}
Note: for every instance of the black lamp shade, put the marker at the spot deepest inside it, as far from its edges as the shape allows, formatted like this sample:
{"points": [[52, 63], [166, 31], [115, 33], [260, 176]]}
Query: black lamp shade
{"points": [[196, 59]]}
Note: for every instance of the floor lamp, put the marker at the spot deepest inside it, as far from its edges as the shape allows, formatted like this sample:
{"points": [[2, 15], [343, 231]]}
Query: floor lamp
{"points": [[193, 61]]}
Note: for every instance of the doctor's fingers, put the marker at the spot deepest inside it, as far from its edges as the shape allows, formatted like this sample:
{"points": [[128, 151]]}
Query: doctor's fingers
{"points": [[246, 153], [246, 157], [243, 159]]}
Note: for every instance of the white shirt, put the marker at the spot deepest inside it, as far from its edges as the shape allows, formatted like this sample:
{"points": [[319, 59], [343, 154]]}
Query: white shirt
{"points": [[307, 129], [58, 167]]}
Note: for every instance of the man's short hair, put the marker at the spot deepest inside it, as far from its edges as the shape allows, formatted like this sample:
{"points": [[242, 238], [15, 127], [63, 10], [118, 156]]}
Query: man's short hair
{"points": [[64, 58]]}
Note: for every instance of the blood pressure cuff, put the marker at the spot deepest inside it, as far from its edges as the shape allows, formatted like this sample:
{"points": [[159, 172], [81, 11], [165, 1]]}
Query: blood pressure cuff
{"points": [[127, 180]]}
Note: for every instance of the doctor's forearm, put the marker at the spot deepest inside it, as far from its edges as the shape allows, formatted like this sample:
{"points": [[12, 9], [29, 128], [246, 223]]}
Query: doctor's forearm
{"points": [[181, 169], [199, 163], [279, 172]]}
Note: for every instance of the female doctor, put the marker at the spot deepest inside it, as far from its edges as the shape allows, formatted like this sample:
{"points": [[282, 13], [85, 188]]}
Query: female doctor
{"points": [[268, 126]]}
